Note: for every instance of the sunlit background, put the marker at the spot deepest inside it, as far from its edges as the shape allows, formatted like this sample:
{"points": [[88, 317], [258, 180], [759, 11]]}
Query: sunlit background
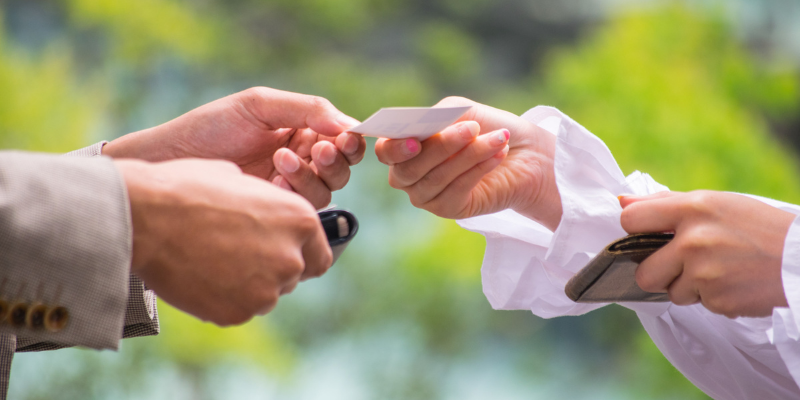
{"points": [[700, 94]]}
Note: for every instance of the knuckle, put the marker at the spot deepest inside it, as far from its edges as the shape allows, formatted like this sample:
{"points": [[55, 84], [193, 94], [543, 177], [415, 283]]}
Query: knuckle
{"points": [[338, 181], [696, 242], [403, 175], [717, 305], [293, 267], [707, 276], [255, 93], [699, 202], [438, 208], [418, 202], [266, 300], [433, 178], [319, 103], [326, 262], [236, 316], [679, 299], [307, 219]]}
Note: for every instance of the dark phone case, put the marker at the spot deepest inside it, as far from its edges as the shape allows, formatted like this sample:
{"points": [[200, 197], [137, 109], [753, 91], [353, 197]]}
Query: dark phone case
{"points": [[611, 275], [329, 223]]}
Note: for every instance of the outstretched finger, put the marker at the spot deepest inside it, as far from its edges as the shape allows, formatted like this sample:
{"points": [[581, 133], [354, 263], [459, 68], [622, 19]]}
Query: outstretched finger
{"points": [[657, 215]]}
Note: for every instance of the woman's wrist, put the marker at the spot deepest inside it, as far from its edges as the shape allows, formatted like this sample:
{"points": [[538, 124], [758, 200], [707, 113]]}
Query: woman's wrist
{"points": [[540, 200]]}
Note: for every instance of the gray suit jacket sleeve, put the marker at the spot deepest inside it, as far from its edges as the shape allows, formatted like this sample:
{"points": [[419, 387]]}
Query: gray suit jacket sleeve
{"points": [[141, 315], [65, 241]]}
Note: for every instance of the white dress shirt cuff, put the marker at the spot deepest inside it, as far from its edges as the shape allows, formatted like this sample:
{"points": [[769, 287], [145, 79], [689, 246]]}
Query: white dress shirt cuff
{"points": [[526, 266]]}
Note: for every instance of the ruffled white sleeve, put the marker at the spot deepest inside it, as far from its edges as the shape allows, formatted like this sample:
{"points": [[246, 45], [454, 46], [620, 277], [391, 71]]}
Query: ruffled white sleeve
{"points": [[526, 267]]}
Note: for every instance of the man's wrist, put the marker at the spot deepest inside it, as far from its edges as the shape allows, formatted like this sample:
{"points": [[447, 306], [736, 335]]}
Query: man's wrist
{"points": [[141, 185], [149, 144]]}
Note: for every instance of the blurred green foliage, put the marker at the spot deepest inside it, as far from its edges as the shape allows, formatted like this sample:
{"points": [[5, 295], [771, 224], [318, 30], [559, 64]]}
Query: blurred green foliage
{"points": [[42, 107], [671, 93], [670, 89]]}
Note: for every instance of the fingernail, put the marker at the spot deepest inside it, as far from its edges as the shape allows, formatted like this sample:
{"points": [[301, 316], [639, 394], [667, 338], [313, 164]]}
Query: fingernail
{"points": [[469, 130], [346, 121], [327, 155], [289, 162], [412, 146], [474, 128], [350, 144], [502, 153], [502, 136]]}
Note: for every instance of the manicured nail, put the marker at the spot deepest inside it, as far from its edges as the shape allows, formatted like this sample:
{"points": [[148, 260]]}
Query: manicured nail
{"points": [[412, 146], [502, 136], [350, 144], [327, 155], [346, 121], [474, 128], [289, 162]]}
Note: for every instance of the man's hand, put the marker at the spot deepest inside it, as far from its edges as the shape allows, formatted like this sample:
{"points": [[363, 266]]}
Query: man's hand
{"points": [[291, 139], [726, 253], [219, 244], [490, 161]]}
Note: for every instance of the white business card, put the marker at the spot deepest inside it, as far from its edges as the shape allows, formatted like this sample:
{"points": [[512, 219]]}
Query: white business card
{"points": [[409, 122]]}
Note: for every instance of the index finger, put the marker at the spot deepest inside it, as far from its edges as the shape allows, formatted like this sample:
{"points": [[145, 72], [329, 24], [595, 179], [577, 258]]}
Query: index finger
{"points": [[277, 109], [657, 215]]}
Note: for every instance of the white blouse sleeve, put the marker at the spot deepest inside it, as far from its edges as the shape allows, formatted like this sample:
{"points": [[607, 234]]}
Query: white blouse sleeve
{"points": [[526, 267]]}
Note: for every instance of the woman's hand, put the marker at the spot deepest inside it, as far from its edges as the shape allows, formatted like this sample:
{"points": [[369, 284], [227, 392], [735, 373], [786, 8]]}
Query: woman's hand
{"points": [[489, 161], [291, 139], [727, 251]]}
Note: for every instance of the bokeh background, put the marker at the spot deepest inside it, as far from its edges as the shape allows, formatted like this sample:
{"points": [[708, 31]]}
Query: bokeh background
{"points": [[700, 94]]}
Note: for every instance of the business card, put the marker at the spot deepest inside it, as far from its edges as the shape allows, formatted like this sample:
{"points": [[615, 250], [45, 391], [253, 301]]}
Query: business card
{"points": [[409, 122]]}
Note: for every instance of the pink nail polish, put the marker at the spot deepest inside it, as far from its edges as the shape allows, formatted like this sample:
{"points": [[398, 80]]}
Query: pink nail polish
{"points": [[502, 136], [412, 146]]}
